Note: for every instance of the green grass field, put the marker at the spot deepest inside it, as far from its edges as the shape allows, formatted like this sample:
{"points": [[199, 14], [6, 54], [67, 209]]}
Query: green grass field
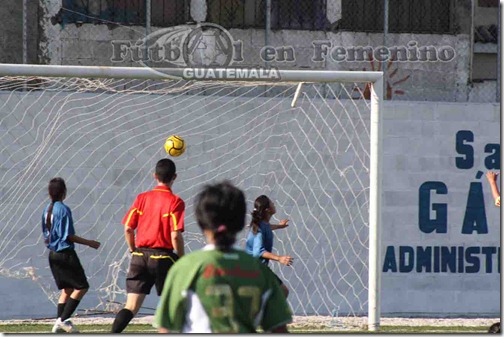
{"points": [[146, 328]]}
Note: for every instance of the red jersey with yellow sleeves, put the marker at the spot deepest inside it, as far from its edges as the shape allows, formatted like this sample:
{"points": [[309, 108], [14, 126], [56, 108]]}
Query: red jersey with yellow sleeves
{"points": [[154, 215]]}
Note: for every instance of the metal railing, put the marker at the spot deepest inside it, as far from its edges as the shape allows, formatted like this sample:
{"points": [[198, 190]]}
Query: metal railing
{"points": [[125, 12], [425, 16], [284, 14]]}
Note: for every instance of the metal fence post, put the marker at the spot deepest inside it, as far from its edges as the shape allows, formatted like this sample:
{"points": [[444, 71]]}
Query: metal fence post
{"points": [[148, 10], [499, 65], [267, 28], [25, 31], [385, 35]]}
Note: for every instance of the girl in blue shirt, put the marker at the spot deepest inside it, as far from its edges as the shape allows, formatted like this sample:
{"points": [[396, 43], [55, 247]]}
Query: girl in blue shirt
{"points": [[60, 238], [260, 237]]}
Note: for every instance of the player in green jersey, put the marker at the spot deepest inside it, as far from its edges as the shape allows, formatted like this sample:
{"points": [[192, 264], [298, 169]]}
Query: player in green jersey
{"points": [[220, 289]]}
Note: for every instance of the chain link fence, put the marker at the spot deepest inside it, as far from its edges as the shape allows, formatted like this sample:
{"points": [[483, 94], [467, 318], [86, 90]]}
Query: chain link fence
{"points": [[436, 50]]}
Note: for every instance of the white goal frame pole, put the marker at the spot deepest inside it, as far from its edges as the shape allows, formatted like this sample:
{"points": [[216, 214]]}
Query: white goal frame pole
{"points": [[307, 76], [375, 219], [177, 73]]}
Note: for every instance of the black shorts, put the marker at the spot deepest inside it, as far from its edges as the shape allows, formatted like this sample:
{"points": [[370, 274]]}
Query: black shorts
{"points": [[67, 270], [149, 267]]}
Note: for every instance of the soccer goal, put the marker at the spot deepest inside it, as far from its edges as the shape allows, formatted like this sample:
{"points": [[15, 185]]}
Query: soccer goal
{"points": [[310, 140]]}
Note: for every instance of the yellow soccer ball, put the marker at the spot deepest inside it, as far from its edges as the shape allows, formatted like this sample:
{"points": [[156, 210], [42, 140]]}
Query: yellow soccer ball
{"points": [[174, 146]]}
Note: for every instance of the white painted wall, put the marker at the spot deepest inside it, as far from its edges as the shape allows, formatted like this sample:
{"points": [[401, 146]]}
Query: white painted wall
{"points": [[420, 146]]}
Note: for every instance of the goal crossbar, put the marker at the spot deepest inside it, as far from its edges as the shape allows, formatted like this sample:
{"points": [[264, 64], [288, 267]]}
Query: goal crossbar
{"points": [[178, 73]]}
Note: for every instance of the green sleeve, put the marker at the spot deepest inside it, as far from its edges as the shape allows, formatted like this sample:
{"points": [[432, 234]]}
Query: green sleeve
{"points": [[171, 309], [276, 309]]}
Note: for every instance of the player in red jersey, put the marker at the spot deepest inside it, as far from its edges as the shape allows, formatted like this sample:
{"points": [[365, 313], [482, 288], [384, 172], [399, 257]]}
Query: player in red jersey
{"points": [[157, 216]]}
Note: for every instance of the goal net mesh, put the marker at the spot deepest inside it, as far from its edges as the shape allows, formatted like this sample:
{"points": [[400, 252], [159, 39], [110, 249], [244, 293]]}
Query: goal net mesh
{"points": [[105, 136]]}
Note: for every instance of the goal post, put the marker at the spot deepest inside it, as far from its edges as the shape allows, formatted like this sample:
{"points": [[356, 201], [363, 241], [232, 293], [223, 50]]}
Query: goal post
{"points": [[375, 220], [372, 81]]}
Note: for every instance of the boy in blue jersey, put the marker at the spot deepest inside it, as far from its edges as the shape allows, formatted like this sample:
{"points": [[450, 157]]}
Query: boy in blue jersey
{"points": [[60, 238], [260, 238]]}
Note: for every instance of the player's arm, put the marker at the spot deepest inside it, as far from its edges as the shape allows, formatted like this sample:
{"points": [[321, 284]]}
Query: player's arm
{"points": [[281, 224], [258, 250], [177, 227], [77, 239], [45, 231], [283, 259], [163, 330], [130, 222], [492, 180], [129, 236], [69, 231], [178, 242]]}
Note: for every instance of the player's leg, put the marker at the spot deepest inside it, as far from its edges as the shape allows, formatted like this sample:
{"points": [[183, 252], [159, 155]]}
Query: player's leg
{"points": [[147, 268], [138, 285], [72, 303], [76, 278], [71, 279], [159, 265], [64, 296], [134, 302], [62, 300], [282, 285], [125, 315], [57, 272]]}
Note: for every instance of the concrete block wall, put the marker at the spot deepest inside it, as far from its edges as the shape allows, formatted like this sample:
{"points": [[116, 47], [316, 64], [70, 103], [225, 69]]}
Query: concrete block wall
{"points": [[429, 131], [105, 146], [90, 44]]}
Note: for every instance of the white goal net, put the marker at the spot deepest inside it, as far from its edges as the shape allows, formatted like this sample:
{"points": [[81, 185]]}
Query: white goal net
{"points": [[104, 136]]}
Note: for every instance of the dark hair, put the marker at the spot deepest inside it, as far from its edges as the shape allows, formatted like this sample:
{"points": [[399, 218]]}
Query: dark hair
{"points": [[165, 170], [261, 204], [494, 328], [57, 192], [221, 208]]}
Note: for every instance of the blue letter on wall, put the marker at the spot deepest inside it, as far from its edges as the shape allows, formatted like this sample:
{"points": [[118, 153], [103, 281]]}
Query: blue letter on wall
{"points": [[439, 223], [471, 259], [406, 264], [492, 162], [466, 162], [390, 261], [475, 215]]}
